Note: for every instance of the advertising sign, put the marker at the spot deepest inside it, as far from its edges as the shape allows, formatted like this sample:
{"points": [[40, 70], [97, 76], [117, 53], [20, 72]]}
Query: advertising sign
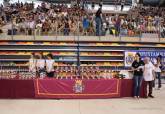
{"points": [[129, 56]]}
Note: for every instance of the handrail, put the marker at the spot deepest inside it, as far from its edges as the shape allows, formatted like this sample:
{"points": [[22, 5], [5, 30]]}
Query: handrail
{"points": [[80, 34]]}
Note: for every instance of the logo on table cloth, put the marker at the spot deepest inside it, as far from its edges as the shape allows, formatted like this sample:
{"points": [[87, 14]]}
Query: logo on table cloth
{"points": [[78, 86]]}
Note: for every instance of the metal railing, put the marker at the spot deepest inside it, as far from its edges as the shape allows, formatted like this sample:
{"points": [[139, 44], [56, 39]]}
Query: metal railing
{"points": [[78, 32]]}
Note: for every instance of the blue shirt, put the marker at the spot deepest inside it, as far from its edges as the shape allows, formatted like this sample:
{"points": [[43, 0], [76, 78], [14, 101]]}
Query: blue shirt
{"points": [[85, 23]]}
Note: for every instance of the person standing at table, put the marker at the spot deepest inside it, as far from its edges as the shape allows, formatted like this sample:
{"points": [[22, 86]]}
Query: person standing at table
{"points": [[149, 75], [158, 62], [50, 65], [32, 63], [137, 74], [40, 65]]}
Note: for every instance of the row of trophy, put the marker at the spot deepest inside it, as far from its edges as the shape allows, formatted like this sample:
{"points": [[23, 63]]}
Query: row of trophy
{"points": [[92, 72], [25, 74], [8, 73], [60, 72], [16, 73]]}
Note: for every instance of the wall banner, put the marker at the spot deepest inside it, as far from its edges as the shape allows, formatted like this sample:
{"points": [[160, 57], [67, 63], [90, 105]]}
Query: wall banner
{"points": [[129, 55]]}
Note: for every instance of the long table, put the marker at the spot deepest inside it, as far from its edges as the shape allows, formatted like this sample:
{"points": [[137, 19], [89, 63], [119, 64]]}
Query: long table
{"points": [[68, 88]]}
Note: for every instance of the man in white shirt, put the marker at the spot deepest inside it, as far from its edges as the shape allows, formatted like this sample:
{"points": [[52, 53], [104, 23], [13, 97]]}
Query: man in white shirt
{"points": [[50, 65], [149, 75]]}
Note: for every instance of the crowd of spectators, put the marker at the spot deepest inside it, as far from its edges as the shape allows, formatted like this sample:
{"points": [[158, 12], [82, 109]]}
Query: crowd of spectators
{"points": [[44, 19], [150, 19], [51, 19]]}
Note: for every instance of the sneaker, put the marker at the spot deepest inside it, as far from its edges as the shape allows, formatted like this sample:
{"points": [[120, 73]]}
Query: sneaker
{"points": [[145, 97], [151, 96], [135, 97], [159, 86]]}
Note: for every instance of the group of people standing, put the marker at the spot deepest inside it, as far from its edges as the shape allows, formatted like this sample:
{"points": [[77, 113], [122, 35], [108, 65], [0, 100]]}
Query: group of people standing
{"points": [[42, 64], [142, 69], [147, 70]]}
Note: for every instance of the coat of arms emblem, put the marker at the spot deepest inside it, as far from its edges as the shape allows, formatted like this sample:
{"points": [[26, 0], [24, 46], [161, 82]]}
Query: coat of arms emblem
{"points": [[129, 58], [78, 86]]}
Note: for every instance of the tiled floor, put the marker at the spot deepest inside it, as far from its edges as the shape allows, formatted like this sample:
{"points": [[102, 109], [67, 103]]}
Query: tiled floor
{"points": [[99, 106]]}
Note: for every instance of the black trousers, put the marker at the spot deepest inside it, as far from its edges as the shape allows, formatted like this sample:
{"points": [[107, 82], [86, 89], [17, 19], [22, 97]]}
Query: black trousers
{"points": [[40, 71], [50, 74], [150, 86]]}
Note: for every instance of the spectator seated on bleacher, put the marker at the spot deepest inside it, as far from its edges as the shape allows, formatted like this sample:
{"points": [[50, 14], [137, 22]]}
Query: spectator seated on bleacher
{"points": [[85, 25], [162, 31], [2, 23]]}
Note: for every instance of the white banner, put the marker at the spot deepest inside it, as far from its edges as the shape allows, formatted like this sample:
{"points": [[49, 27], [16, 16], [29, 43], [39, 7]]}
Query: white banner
{"points": [[129, 58]]}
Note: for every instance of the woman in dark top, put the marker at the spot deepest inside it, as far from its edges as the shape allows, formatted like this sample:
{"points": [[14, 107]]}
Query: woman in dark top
{"points": [[138, 74]]}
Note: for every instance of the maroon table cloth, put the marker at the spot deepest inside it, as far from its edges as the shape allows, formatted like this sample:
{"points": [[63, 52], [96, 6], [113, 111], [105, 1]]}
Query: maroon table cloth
{"points": [[52, 88], [17, 89], [48, 88]]}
